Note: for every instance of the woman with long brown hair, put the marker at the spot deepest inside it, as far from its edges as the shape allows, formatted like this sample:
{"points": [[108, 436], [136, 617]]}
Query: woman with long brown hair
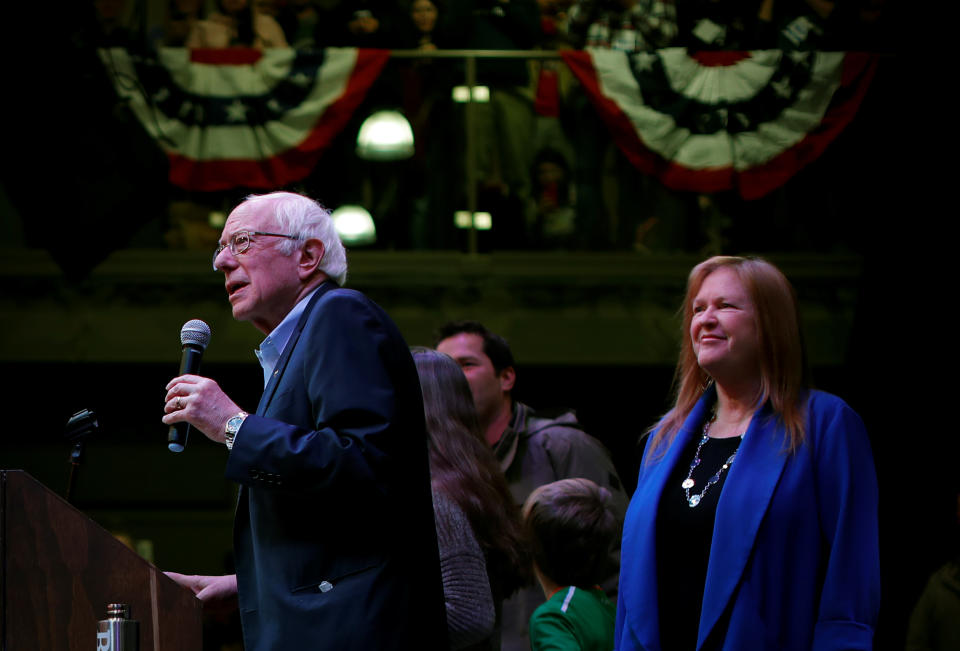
{"points": [[754, 521], [483, 554]]}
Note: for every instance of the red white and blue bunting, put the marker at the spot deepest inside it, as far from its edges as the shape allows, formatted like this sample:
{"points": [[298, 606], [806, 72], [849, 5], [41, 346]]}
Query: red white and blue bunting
{"points": [[704, 122], [240, 117], [716, 121]]}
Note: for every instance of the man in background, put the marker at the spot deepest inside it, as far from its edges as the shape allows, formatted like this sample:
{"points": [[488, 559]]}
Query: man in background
{"points": [[533, 450]]}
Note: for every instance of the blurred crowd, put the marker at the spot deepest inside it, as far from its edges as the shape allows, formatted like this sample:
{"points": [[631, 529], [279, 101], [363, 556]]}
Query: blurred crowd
{"points": [[546, 166], [628, 25]]}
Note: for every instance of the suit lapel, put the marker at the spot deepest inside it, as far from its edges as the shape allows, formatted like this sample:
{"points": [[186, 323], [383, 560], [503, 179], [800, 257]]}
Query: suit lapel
{"points": [[743, 503], [278, 370], [271, 387]]}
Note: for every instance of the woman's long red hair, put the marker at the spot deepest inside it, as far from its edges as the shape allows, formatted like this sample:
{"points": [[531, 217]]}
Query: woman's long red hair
{"points": [[783, 368]]}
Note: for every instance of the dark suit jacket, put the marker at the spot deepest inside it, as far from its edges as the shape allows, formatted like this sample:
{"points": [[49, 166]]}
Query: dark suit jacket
{"points": [[334, 536], [794, 559]]}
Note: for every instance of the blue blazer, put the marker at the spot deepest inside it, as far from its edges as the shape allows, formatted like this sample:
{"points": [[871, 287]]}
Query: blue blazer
{"points": [[334, 537], [794, 561]]}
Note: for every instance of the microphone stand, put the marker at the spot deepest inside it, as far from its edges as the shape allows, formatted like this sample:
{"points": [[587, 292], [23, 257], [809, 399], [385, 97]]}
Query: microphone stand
{"points": [[75, 458]]}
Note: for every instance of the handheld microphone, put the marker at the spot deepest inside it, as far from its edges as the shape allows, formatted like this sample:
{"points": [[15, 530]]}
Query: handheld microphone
{"points": [[194, 337]]}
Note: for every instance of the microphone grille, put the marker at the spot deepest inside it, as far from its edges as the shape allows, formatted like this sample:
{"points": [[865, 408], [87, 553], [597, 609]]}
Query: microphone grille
{"points": [[195, 332]]}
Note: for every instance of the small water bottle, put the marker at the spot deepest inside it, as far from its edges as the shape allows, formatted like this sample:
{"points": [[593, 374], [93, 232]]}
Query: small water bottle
{"points": [[118, 632]]}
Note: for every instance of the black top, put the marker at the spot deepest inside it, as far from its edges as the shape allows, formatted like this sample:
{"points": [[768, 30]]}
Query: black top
{"points": [[684, 535]]}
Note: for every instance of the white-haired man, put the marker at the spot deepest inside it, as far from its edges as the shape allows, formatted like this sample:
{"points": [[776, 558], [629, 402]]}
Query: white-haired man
{"points": [[334, 537]]}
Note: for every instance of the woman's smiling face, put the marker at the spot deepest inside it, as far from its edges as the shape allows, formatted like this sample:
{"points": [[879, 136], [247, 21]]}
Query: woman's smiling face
{"points": [[723, 329]]}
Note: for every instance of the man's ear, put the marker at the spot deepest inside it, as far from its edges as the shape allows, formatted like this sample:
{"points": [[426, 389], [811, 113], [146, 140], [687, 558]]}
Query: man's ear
{"points": [[311, 255], [507, 378]]}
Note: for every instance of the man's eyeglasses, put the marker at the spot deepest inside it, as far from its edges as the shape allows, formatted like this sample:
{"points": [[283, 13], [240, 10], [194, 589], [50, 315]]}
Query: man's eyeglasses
{"points": [[240, 242]]}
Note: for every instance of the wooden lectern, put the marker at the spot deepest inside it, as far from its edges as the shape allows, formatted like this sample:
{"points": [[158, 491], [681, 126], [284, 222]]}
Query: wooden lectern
{"points": [[59, 570]]}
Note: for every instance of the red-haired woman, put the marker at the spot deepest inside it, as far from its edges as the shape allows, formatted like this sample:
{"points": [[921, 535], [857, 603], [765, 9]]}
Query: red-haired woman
{"points": [[754, 521]]}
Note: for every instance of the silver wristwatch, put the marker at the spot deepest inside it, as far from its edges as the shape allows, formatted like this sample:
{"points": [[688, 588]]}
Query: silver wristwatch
{"points": [[233, 426]]}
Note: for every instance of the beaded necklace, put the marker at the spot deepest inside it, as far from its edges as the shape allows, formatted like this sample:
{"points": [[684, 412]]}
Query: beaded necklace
{"points": [[688, 483]]}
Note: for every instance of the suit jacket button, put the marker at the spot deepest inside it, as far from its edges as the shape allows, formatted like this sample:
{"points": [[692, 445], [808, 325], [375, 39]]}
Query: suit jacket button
{"points": [[325, 586]]}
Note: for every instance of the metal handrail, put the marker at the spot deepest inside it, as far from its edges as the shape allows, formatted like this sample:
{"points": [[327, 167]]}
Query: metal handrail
{"points": [[476, 54]]}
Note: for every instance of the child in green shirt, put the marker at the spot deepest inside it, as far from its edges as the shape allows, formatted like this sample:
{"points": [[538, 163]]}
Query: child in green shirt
{"points": [[572, 528]]}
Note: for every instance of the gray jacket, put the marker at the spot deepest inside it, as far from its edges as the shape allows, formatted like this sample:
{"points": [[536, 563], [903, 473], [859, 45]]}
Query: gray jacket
{"points": [[535, 451]]}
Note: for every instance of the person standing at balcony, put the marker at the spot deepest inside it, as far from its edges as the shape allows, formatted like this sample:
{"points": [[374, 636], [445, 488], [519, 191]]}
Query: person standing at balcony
{"points": [[109, 27], [505, 123], [358, 23], [617, 206], [236, 23], [177, 25], [624, 25], [434, 176]]}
